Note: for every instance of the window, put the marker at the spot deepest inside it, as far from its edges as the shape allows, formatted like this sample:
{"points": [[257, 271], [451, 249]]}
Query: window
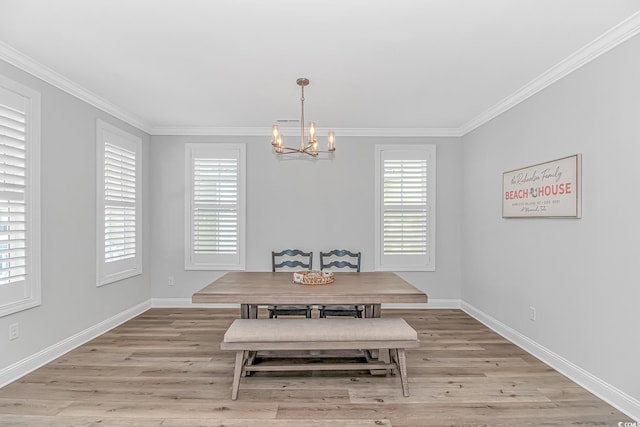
{"points": [[118, 211], [215, 206], [405, 207], [20, 286]]}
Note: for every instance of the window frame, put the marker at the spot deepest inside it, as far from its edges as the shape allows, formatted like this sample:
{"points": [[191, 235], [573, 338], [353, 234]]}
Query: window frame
{"points": [[401, 262], [193, 261], [109, 272], [25, 294]]}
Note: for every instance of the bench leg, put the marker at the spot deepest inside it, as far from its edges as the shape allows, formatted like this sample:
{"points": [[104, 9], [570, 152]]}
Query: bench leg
{"points": [[241, 357], [251, 358], [402, 365], [393, 355]]}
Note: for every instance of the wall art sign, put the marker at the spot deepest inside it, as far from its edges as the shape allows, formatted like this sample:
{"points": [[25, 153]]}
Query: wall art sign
{"points": [[546, 190]]}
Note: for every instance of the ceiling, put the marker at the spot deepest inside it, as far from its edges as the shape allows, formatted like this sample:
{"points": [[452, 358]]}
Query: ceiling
{"points": [[225, 66]]}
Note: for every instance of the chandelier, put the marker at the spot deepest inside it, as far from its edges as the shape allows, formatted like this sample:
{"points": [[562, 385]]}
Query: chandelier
{"points": [[307, 146]]}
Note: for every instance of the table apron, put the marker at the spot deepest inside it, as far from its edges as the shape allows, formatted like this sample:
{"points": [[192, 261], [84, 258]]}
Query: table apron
{"points": [[312, 301]]}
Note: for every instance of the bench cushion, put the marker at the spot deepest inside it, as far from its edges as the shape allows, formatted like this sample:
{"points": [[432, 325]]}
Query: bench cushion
{"points": [[319, 330]]}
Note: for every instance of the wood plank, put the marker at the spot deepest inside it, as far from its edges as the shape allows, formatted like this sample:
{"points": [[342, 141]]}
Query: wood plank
{"points": [[155, 408]]}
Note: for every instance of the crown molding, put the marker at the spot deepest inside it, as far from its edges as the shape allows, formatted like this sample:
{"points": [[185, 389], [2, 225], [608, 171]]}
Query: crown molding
{"points": [[601, 45], [265, 132], [31, 66]]}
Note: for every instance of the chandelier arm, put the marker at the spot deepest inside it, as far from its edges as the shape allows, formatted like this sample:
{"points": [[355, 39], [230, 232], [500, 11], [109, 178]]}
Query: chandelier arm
{"points": [[305, 150], [289, 150], [293, 151]]}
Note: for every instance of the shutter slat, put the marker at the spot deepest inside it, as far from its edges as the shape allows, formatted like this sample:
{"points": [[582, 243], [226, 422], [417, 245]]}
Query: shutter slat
{"points": [[11, 150], [12, 133], [12, 114]]}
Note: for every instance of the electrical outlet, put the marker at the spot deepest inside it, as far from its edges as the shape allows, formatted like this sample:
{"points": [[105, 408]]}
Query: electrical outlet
{"points": [[532, 314], [14, 332], [170, 281]]}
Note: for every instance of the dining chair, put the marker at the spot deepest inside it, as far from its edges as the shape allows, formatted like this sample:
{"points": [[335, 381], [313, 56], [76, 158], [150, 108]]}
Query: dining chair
{"points": [[340, 259], [290, 259]]}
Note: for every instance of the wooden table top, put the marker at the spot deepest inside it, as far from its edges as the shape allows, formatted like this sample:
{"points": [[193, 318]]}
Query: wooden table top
{"points": [[278, 288]]}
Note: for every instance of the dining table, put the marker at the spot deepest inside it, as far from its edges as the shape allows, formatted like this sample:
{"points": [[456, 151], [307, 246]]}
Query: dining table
{"points": [[252, 289]]}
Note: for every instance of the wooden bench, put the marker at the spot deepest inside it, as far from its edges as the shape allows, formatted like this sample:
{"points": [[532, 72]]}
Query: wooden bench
{"points": [[248, 336]]}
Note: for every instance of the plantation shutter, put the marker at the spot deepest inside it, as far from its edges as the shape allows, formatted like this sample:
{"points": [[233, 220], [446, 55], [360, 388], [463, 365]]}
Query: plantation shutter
{"points": [[13, 187], [20, 281], [120, 203], [405, 208], [215, 207], [215, 201], [405, 215]]}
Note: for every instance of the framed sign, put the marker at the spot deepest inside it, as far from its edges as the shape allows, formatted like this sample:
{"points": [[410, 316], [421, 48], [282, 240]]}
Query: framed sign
{"points": [[546, 190]]}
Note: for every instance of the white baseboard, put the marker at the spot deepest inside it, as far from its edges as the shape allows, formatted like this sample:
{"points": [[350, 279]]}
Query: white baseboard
{"points": [[186, 302], [41, 358], [610, 394]]}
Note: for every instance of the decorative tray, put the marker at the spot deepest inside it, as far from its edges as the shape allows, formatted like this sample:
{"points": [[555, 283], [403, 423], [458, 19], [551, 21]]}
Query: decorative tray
{"points": [[313, 277]]}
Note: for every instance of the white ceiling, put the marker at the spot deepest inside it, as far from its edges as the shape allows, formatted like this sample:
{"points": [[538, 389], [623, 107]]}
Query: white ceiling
{"points": [[395, 66]]}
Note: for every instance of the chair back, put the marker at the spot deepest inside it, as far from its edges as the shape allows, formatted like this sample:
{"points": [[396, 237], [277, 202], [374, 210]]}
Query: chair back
{"points": [[291, 258], [340, 258]]}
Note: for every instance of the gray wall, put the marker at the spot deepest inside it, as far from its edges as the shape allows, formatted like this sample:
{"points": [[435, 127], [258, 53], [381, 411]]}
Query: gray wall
{"points": [[279, 194], [71, 302], [580, 274]]}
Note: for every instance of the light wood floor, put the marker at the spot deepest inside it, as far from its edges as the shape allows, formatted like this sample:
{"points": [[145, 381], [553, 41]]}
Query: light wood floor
{"points": [[164, 368]]}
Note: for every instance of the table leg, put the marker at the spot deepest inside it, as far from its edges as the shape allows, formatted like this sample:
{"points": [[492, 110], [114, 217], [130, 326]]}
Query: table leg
{"points": [[244, 311], [381, 354], [248, 311], [377, 310]]}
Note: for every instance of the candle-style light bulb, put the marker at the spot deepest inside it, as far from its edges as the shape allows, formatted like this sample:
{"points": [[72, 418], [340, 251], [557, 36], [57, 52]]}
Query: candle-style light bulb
{"points": [[331, 141], [275, 133]]}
